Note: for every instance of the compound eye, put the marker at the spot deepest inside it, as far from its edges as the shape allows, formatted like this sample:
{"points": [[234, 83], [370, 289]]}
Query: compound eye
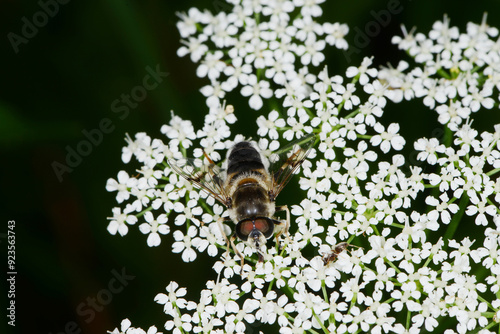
{"points": [[266, 226], [243, 229]]}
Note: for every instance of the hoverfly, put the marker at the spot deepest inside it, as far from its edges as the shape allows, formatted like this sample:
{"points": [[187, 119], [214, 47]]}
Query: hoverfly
{"points": [[248, 184]]}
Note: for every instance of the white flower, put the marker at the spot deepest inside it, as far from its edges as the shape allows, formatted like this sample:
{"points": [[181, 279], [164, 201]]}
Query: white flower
{"points": [[377, 93], [388, 138], [450, 177], [479, 208], [213, 92], [444, 208], [276, 271], [187, 212], [364, 71], [427, 317], [208, 240], [140, 148], [187, 24], [193, 46], [184, 243], [335, 34], [270, 125], [225, 295], [118, 222], [154, 227], [124, 181], [256, 90], [172, 300], [383, 248], [211, 66], [452, 114], [306, 211], [428, 149], [477, 99], [179, 129], [310, 52], [237, 74], [346, 96]]}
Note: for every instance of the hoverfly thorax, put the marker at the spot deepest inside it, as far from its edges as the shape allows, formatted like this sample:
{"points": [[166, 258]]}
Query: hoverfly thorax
{"points": [[251, 200]]}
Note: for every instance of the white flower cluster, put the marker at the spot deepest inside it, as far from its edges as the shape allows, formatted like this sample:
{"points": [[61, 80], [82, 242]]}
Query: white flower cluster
{"points": [[459, 71], [407, 273], [269, 43]]}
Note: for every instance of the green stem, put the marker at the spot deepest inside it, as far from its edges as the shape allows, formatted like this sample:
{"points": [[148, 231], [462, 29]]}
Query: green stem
{"points": [[448, 136], [455, 221], [325, 330], [494, 171], [444, 74]]}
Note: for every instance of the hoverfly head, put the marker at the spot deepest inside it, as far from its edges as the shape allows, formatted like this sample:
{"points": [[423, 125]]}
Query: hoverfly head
{"points": [[255, 231]]}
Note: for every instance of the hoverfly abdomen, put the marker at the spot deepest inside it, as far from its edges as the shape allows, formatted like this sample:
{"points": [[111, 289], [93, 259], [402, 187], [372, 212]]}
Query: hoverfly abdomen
{"points": [[248, 180], [244, 158]]}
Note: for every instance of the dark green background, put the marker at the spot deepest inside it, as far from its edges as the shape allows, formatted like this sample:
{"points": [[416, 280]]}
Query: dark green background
{"points": [[63, 81]]}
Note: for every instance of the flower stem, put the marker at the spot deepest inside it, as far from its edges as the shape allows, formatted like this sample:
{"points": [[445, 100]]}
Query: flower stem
{"points": [[455, 221]]}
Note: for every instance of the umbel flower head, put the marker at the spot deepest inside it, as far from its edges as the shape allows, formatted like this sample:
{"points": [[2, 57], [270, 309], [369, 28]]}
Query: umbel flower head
{"points": [[259, 44], [371, 247]]}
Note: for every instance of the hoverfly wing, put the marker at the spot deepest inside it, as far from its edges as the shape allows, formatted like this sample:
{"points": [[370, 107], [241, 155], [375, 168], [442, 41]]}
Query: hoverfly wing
{"points": [[208, 177], [285, 161]]}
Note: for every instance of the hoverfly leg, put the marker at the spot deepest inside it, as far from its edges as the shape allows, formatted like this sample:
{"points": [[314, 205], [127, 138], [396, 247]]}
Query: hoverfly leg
{"points": [[285, 228], [221, 228], [207, 157], [237, 252], [230, 243]]}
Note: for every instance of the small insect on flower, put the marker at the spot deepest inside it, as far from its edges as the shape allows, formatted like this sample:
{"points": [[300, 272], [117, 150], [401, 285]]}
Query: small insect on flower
{"points": [[335, 252], [248, 184]]}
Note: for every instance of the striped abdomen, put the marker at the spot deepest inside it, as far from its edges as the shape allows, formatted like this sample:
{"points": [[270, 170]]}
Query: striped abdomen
{"points": [[244, 158], [247, 177]]}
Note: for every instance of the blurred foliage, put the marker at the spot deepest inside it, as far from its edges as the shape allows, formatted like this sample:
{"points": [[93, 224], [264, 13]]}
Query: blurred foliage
{"points": [[64, 80]]}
